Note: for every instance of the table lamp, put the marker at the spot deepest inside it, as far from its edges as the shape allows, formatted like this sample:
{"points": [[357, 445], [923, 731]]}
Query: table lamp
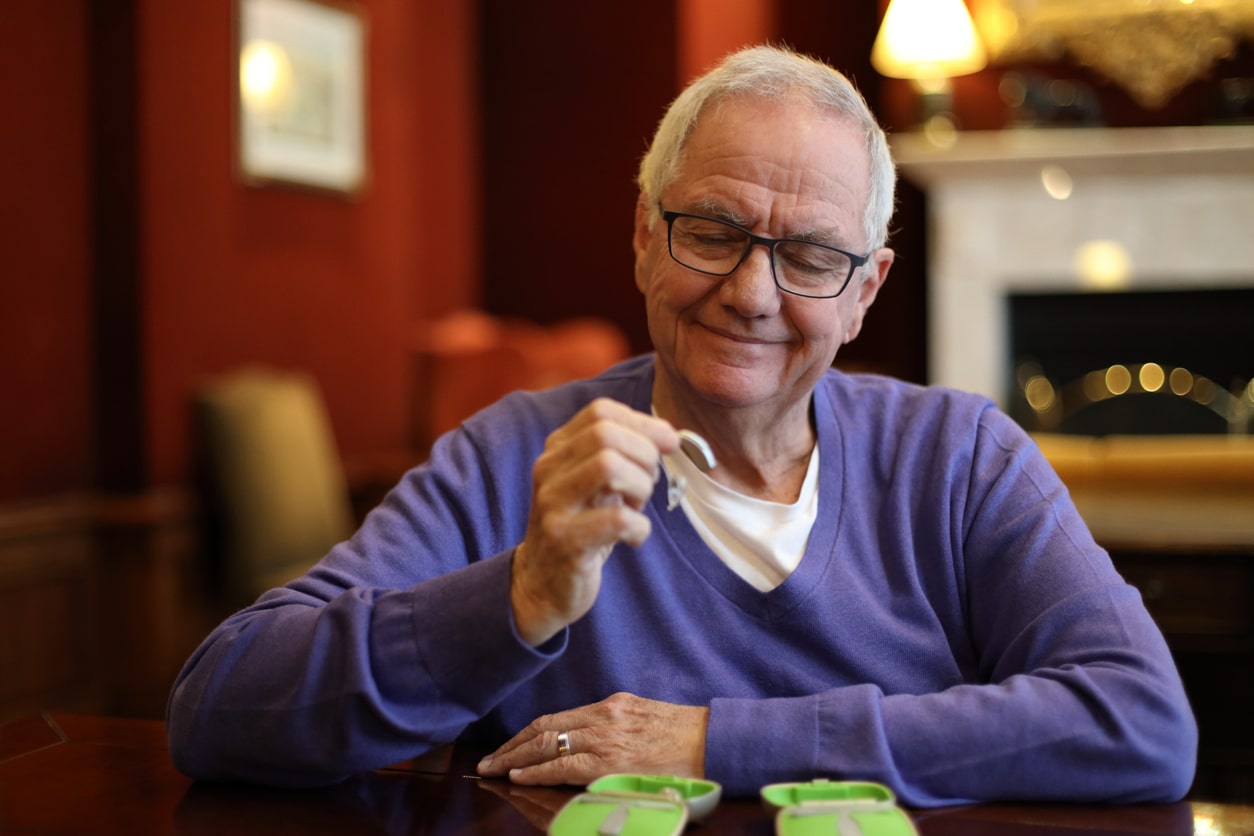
{"points": [[929, 42]]}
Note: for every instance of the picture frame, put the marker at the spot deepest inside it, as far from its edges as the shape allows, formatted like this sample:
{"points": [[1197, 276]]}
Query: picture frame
{"points": [[301, 106]]}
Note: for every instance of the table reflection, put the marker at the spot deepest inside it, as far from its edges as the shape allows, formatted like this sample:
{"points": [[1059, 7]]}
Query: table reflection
{"points": [[398, 802]]}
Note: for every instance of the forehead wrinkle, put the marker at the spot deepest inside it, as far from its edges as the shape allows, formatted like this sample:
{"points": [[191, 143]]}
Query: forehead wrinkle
{"points": [[717, 210], [779, 191]]}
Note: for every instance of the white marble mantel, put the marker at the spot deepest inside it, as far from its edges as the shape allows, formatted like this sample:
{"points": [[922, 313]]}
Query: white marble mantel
{"points": [[1179, 201]]}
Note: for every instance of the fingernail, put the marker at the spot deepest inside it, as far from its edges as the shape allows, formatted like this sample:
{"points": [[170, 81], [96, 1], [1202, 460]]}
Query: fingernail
{"points": [[485, 763]]}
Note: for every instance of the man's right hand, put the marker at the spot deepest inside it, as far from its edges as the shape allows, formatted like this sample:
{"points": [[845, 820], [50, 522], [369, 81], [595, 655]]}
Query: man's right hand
{"points": [[589, 487]]}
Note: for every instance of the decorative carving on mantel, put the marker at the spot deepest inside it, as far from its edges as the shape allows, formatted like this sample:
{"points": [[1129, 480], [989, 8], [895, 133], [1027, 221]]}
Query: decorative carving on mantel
{"points": [[1150, 48]]}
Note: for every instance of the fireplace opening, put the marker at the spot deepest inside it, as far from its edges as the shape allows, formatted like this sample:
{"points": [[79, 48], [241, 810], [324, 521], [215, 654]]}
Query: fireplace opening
{"points": [[1137, 362]]}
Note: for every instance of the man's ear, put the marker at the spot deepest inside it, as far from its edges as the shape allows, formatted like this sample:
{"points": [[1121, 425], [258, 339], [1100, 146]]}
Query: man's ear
{"points": [[874, 274], [640, 238]]}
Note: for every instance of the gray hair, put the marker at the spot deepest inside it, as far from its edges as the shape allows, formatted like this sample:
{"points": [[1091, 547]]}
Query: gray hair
{"points": [[772, 73]]}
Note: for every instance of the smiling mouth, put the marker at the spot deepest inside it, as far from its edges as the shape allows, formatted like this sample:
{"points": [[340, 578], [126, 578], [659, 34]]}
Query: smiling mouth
{"points": [[743, 339]]}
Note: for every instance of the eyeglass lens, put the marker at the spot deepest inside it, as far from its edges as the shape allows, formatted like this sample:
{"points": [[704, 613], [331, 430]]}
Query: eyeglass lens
{"points": [[717, 248]]}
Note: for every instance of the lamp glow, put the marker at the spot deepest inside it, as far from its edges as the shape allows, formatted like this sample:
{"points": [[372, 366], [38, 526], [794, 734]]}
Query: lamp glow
{"points": [[265, 74], [927, 40]]}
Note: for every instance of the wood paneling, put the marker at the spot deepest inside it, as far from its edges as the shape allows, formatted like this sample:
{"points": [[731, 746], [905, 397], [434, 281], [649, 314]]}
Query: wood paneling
{"points": [[101, 601], [47, 608]]}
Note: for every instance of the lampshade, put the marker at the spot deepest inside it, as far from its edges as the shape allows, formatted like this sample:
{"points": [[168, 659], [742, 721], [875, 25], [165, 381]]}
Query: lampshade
{"points": [[927, 39]]}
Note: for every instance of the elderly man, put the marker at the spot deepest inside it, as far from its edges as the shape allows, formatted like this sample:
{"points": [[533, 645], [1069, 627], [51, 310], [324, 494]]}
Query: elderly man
{"points": [[874, 580]]}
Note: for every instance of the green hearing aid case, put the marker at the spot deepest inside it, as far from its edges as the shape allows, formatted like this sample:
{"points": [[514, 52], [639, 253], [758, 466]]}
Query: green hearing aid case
{"points": [[636, 805], [836, 808]]}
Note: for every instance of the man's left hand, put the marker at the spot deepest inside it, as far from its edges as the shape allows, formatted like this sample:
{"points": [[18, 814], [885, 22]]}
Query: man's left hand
{"points": [[622, 733]]}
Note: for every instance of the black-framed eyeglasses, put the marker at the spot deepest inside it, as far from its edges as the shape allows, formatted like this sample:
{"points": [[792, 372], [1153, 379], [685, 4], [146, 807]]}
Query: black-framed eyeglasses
{"points": [[717, 248]]}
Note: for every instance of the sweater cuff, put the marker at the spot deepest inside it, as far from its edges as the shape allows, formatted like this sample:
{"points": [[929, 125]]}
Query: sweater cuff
{"points": [[754, 742], [463, 626]]}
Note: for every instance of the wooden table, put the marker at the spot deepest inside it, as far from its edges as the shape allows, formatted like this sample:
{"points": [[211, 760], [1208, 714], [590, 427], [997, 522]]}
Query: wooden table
{"points": [[66, 774]]}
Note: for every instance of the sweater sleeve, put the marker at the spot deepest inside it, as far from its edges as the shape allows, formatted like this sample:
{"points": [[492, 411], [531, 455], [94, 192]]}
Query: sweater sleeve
{"points": [[391, 645], [1076, 696]]}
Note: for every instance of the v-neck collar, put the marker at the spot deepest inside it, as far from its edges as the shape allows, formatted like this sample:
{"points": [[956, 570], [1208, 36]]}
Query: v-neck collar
{"points": [[820, 549]]}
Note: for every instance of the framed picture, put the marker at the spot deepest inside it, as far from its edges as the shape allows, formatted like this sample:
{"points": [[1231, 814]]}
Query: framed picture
{"points": [[301, 103]]}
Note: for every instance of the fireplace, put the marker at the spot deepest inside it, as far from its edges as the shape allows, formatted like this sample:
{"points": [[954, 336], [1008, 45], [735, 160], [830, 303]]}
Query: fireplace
{"points": [[1015, 217], [1161, 362]]}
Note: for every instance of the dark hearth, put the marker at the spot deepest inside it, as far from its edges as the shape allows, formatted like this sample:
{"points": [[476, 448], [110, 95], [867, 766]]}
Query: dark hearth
{"points": [[1143, 362]]}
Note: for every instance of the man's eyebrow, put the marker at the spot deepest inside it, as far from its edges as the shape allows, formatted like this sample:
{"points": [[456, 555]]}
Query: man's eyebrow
{"points": [[831, 237], [719, 212]]}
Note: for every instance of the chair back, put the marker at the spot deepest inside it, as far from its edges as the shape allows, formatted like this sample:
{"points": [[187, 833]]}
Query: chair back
{"points": [[275, 482]]}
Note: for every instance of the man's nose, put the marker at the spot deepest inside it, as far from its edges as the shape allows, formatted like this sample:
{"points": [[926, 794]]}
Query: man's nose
{"points": [[751, 287]]}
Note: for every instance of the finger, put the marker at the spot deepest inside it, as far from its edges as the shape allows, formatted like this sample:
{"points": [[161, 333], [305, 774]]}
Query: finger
{"points": [[570, 764], [578, 540], [572, 769], [657, 429], [602, 478], [527, 748], [591, 503], [598, 454], [638, 435], [607, 453]]}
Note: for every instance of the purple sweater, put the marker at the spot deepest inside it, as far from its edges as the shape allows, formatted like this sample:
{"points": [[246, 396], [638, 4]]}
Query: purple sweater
{"points": [[952, 630]]}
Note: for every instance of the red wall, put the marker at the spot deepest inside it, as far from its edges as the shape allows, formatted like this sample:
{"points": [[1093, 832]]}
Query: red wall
{"points": [[237, 275], [709, 29], [228, 274], [570, 99], [44, 417]]}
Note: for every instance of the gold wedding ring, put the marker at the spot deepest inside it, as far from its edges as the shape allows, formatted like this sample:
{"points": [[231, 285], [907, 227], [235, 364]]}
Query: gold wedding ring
{"points": [[563, 743]]}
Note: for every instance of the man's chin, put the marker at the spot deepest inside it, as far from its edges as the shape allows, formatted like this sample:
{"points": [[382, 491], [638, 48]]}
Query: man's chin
{"points": [[732, 387]]}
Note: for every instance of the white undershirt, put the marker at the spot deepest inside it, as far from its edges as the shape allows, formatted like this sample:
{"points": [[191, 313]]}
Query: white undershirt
{"points": [[761, 541]]}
